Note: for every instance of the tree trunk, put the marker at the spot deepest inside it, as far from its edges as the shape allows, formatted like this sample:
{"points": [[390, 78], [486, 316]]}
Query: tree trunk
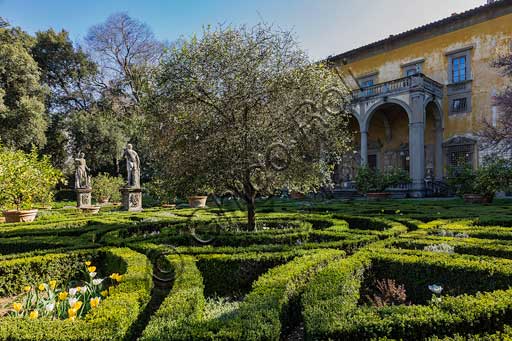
{"points": [[251, 214], [250, 198]]}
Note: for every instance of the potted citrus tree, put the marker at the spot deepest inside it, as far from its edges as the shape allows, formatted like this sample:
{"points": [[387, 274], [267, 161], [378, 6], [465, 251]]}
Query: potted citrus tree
{"points": [[373, 183], [195, 188], [481, 185], [25, 179], [105, 188]]}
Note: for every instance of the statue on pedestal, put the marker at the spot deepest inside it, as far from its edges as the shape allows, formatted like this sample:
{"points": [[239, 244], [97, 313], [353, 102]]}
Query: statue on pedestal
{"points": [[132, 166], [132, 193], [82, 182], [82, 177]]}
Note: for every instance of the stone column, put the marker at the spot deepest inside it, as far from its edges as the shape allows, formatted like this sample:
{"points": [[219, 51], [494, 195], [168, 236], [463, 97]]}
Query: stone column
{"points": [[364, 148], [439, 153], [417, 145]]}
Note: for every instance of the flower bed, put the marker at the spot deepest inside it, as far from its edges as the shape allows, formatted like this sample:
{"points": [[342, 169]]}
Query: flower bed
{"points": [[112, 319]]}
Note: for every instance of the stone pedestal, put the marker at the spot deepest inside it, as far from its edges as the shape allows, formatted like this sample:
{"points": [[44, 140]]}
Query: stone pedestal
{"points": [[132, 199], [83, 197]]}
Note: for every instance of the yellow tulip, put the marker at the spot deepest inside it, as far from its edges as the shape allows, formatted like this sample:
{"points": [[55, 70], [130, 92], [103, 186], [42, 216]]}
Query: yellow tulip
{"points": [[53, 284], [104, 293], [91, 269], [72, 318], [33, 315], [63, 295], [95, 302], [77, 305], [17, 307], [88, 263], [71, 312], [41, 287], [117, 277], [27, 288]]}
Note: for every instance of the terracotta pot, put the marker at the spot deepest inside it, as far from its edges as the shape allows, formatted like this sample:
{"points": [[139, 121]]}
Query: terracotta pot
{"points": [[103, 201], [197, 201], [297, 195], [472, 198], [375, 196], [90, 209], [2, 220], [169, 205], [24, 216]]}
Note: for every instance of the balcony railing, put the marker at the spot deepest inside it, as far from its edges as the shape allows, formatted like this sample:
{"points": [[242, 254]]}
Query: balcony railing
{"points": [[418, 82]]}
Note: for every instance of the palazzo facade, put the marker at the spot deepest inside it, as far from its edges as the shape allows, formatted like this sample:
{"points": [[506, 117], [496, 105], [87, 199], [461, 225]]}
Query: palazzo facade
{"points": [[421, 96]]}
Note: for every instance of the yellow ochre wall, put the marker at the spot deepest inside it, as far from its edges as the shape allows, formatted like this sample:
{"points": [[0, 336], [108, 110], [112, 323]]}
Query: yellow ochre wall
{"points": [[487, 38]]}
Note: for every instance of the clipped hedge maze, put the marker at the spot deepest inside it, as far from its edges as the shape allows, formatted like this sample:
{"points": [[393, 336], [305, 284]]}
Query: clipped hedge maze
{"points": [[315, 276]]}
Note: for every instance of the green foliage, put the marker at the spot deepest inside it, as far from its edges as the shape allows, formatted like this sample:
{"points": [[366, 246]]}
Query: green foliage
{"points": [[106, 187], [102, 136], [335, 313], [462, 179], [495, 174], [158, 190], [113, 318], [182, 307], [231, 103], [22, 119], [373, 180], [26, 179]]}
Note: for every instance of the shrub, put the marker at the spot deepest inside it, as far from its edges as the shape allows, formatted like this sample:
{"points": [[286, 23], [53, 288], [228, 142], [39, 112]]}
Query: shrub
{"points": [[106, 187], [335, 313], [373, 180], [25, 179]]}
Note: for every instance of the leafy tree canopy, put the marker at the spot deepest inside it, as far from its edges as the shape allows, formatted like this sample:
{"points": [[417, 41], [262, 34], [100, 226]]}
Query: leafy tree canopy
{"points": [[231, 113], [22, 119]]}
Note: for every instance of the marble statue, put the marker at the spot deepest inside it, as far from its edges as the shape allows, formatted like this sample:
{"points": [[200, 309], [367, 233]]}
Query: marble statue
{"points": [[132, 166], [82, 177]]}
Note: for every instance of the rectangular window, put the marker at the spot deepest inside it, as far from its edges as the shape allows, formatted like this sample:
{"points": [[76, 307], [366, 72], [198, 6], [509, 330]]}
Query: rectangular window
{"points": [[459, 69], [411, 72], [367, 84], [459, 105]]}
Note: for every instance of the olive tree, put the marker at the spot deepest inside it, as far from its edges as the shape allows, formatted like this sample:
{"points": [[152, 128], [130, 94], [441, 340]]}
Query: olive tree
{"points": [[244, 110]]}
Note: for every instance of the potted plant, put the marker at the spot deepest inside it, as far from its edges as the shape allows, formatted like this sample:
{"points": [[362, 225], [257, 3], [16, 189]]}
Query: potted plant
{"points": [[480, 186], [25, 179], [398, 183], [105, 188], [493, 176], [193, 187], [372, 183]]}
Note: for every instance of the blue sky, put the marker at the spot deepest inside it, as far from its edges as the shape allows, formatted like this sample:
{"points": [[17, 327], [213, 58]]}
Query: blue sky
{"points": [[323, 27]]}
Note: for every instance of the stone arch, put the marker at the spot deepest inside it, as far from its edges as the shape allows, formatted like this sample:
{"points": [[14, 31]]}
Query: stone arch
{"points": [[387, 135], [375, 107], [431, 101]]}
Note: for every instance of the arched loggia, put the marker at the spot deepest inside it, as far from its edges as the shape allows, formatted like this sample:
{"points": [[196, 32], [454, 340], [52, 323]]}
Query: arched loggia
{"points": [[387, 129]]}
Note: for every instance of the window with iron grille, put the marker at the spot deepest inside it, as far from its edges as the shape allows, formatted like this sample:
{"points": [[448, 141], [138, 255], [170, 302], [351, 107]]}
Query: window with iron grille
{"points": [[460, 156], [459, 105]]}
